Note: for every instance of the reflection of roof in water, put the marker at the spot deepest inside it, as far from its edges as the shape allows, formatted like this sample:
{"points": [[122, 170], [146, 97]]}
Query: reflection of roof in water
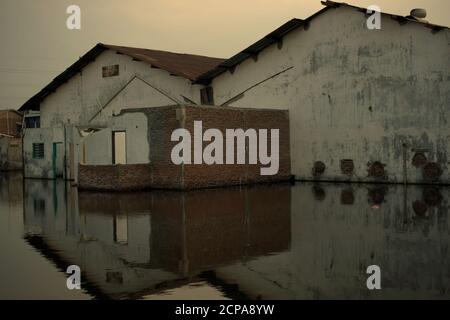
{"points": [[230, 291], [53, 256]]}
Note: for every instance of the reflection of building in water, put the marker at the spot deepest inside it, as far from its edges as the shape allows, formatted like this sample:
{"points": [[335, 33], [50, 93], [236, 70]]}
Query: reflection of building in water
{"points": [[338, 231], [269, 242], [11, 191], [139, 243], [11, 196]]}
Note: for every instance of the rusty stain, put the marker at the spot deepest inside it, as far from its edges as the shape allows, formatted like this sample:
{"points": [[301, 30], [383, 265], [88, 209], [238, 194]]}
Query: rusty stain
{"points": [[431, 171], [347, 196], [419, 159], [318, 168], [347, 167], [376, 170]]}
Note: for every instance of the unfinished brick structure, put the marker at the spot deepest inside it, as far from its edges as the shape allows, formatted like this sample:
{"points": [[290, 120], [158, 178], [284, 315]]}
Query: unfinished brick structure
{"points": [[159, 171], [10, 123]]}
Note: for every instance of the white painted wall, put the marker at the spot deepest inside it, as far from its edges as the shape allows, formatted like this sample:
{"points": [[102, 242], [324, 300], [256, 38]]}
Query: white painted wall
{"points": [[99, 144], [41, 168], [85, 94], [340, 70], [88, 99]]}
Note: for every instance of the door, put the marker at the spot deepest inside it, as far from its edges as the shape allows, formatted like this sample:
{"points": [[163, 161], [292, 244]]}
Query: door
{"points": [[119, 155], [58, 159]]}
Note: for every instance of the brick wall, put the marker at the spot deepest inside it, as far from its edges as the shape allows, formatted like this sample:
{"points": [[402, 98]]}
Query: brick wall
{"points": [[161, 173], [204, 175], [114, 177], [8, 122]]}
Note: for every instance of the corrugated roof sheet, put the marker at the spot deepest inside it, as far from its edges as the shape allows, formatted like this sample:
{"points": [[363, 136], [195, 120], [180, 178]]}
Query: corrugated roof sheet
{"points": [[188, 66]]}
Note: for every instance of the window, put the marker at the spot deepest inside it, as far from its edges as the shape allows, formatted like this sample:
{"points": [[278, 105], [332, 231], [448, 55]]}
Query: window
{"points": [[33, 122], [110, 71], [38, 150]]}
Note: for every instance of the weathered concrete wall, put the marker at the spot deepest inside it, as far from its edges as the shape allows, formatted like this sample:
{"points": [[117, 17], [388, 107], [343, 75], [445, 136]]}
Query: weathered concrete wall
{"points": [[88, 99], [98, 146], [355, 94], [42, 168], [88, 93], [10, 154], [152, 145]]}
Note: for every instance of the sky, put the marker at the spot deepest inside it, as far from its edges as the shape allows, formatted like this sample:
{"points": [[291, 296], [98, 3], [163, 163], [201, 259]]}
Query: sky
{"points": [[36, 45]]}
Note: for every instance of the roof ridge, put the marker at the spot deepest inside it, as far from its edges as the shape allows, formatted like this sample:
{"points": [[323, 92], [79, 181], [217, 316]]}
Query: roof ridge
{"points": [[289, 26], [158, 50]]}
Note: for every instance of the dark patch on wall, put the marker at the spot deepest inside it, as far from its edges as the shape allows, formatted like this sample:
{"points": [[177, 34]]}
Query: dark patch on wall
{"points": [[347, 196], [306, 25], [347, 167], [431, 171], [318, 168], [280, 44], [419, 159], [376, 170], [319, 193]]}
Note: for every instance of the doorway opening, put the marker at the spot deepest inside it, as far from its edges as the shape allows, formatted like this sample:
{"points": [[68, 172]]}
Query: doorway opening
{"points": [[119, 151]]}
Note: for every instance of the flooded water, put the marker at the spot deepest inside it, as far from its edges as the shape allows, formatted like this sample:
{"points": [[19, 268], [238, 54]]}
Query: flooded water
{"points": [[308, 241]]}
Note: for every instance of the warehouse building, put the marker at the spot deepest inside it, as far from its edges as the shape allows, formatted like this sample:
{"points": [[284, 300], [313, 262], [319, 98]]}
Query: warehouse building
{"points": [[364, 105]]}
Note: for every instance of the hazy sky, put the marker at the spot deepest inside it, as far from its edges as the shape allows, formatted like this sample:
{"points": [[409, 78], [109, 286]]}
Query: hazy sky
{"points": [[36, 45]]}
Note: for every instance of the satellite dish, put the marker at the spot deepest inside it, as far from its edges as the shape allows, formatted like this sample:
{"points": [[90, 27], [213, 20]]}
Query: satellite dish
{"points": [[419, 13]]}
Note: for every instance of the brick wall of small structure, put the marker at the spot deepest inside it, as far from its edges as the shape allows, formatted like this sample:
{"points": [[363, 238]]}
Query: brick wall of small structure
{"points": [[114, 177], [231, 118], [8, 122], [161, 173]]}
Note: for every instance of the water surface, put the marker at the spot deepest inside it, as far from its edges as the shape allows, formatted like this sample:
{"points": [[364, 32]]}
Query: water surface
{"points": [[308, 241]]}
